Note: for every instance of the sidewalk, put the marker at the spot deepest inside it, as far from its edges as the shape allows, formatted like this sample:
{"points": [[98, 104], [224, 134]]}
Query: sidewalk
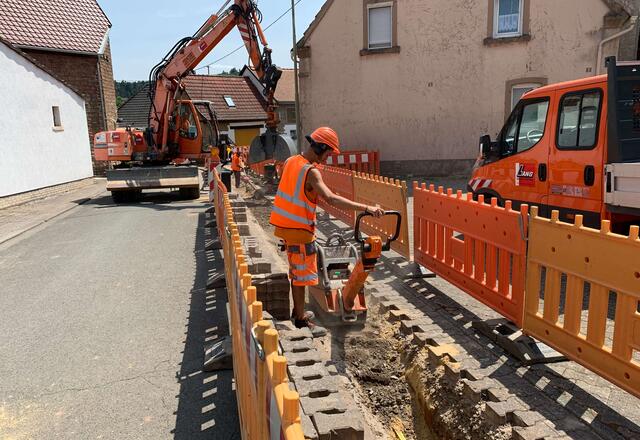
{"points": [[19, 219]]}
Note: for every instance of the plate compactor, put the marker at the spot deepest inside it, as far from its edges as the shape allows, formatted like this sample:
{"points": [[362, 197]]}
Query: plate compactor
{"points": [[340, 297]]}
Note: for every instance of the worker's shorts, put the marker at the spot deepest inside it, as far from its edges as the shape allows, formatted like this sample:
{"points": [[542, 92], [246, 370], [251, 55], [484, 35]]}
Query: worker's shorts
{"points": [[303, 264]]}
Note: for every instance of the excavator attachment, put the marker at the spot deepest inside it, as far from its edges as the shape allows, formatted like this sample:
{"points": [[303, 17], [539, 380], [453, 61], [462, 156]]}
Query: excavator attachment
{"points": [[272, 145]]}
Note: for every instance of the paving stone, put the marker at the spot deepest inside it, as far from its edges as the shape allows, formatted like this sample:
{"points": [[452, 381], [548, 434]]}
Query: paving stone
{"points": [[475, 390], [297, 334], [403, 315], [334, 403], [420, 339], [308, 428], [243, 229], [318, 387], [536, 432], [452, 371], [345, 426], [308, 372], [296, 346], [301, 359], [526, 418], [496, 413]]}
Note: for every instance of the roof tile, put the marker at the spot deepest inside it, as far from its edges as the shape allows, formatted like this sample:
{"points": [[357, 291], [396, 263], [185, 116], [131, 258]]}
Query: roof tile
{"points": [[67, 25]]}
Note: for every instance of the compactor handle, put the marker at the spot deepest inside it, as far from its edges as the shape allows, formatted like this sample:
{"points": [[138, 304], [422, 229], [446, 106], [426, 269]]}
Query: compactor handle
{"points": [[387, 244]]}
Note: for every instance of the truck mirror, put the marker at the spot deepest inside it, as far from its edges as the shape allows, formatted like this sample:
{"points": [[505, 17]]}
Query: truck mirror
{"points": [[485, 145]]}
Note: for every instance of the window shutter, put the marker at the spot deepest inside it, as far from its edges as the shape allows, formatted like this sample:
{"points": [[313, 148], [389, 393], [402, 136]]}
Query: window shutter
{"points": [[380, 27]]}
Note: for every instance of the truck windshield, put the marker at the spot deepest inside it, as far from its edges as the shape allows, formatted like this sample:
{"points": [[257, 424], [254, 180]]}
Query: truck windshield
{"points": [[525, 127]]}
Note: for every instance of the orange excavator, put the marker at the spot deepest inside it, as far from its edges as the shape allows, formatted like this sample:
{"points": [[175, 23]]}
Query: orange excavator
{"points": [[181, 132]]}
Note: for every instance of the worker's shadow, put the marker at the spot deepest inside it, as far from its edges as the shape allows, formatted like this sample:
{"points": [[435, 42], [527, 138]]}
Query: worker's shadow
{"points": [[207, 407]]}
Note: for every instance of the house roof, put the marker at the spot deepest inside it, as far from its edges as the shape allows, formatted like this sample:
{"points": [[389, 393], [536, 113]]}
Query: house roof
{"points": [[79, 26], [286, 90], [249, 104], [135, 111], [630, 7]]}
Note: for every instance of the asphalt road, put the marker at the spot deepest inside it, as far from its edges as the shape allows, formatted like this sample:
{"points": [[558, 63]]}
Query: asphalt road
{"points": [[103, 319]]}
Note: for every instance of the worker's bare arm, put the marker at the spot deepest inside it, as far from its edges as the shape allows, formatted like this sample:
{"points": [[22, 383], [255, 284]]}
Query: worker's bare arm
{"points": [[316, 183]]}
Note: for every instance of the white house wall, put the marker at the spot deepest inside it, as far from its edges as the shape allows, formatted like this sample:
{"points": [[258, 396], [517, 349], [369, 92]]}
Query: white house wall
{"points": [[32, 154]]}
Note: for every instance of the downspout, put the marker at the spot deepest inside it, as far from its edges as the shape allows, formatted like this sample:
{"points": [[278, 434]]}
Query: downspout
{"points": [[633, 20]]}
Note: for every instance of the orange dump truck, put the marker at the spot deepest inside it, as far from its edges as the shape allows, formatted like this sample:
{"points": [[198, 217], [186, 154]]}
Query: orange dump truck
{"points": [[572, 147]]}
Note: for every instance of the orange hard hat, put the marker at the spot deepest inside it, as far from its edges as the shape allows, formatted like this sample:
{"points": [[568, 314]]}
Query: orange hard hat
{"points": [[327, 136]]}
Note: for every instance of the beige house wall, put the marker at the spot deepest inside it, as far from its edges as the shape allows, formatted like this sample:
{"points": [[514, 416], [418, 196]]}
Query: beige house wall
{"points": [[427, 104]]}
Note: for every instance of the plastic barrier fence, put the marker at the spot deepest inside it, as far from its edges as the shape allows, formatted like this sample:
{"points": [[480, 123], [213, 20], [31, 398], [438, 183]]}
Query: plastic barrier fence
{"points": [[360, 160], [339, 182], [389, 194], [478, 247], [586, 266], [268, 408], [258, 167]]}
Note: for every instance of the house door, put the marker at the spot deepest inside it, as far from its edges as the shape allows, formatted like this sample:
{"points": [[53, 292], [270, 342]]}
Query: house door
{"points": [[245, 135]]}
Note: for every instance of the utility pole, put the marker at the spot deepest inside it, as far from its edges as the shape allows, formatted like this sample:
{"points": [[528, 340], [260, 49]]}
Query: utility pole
{"points": [[295, 75]]}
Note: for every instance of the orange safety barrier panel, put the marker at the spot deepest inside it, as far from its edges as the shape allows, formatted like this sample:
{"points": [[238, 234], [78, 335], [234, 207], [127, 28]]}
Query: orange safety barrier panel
{"points": [[258, 167], [478, 247], [340, 182], [357, 160], [391, 195], [606, 336], [267, 408]]}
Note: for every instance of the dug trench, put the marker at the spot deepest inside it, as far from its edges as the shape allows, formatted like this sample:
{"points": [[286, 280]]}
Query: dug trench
{"points": [[399, 386]]}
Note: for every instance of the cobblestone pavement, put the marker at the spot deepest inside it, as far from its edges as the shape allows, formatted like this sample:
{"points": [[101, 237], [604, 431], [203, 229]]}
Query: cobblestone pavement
{"points": [[553, 400]]}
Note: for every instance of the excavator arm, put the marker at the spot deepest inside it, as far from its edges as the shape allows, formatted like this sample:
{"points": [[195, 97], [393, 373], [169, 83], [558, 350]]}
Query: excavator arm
{"points": [[185, 56]]}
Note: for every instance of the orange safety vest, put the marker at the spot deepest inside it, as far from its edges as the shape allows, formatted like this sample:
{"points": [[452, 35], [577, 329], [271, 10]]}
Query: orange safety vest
{"points": [[292, 209], [235, 162]]}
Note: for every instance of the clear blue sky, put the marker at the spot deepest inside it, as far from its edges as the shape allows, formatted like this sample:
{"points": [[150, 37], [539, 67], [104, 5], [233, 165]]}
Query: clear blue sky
{"points": [[144, 30]]}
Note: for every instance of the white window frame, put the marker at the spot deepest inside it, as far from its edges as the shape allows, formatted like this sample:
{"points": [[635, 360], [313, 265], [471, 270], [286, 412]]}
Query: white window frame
{"points": [[496, 16], [375, 6], [533, 86]]}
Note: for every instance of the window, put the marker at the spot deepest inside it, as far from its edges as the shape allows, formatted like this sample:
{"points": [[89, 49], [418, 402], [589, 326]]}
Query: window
{"points": [[57, 123], [380, 25], [525, 127], [507, 18], [578, 122], [518, 91], [229, 101], [291, 115]]}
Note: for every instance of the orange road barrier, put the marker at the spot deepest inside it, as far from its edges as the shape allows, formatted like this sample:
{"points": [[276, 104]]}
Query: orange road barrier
{"points": [[339, 182], [357, 160], [391, 195], [258, 167], [610, 265], [268, 409], [478, 247]]}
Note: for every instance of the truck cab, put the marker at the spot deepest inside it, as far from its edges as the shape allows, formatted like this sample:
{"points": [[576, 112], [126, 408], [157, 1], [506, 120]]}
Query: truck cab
{"points": [[562, 148]]}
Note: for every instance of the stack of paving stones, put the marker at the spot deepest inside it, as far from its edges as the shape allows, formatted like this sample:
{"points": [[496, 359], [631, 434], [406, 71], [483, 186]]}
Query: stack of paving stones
{"points": [[328, 410], [484, 371]]}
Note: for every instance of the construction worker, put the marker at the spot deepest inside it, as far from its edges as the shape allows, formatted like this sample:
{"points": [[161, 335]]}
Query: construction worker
{"points": [[294, 217], [236, 166]]}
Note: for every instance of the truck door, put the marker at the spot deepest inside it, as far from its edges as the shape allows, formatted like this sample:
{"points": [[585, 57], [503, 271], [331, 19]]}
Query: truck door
{"points": [[576, 158], [521, 173]]}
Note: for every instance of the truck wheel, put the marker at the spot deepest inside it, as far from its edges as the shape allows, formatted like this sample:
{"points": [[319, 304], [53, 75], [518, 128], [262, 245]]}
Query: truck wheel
{"points": [[189, 193], [118, 196]]}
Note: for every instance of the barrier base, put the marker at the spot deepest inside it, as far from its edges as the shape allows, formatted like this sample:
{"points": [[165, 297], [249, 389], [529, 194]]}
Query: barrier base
{"points": [[417, 271], [510, 338], [217, 281], [210, 210], [219, 355], [211, 224]]}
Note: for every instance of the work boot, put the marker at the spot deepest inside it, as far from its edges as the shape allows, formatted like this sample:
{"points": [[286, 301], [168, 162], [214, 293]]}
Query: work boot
{"points": [[316, 330]]}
